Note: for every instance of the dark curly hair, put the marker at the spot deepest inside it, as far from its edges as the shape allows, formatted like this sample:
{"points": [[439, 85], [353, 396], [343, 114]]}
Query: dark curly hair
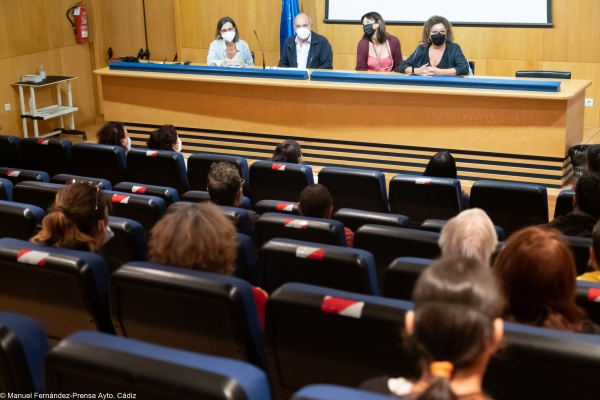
{"points": [[288, 151], [437, 19], [112, 133], [164, 138], [224, 181]]}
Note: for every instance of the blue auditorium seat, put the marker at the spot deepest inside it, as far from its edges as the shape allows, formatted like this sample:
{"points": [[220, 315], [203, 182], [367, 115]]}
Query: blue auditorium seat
{"points": [[354, 219], [191, 310], [436, 225], [278, 181], [423, 197], [66, 178], [100, 161], [159, 168], [246, 265], [241, 218], [278, 206], [129, 244], [200, 196], [199, 165], [6, 188], [169, 195], [401, 277], [146, 210], [18, 220], [49, 155], [10, 151], [23, 346], [40, 194], [16, 175], [564, 203], [283, 261], [318, 230], [511, 205], [356, 188], [333, 392], [66, 290], [91, 362], [321, 335]]}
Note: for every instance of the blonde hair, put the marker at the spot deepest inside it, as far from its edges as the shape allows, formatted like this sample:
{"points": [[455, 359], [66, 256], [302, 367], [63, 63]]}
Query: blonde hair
{"points": [[195, 236], [73, 218]]}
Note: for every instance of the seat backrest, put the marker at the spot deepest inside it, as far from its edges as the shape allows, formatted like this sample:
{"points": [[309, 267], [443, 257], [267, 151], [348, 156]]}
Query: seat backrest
{"points": [[146, 210], [581, 250], [22, 175], [321, 335], [158, 167], [317, 230], [354, 219], [283, 207], [282, 261], [544, 74], [90, 362], [278, 181], [50, 155], [66, 178], [169, 195], [130, 242], [246, 264], [39, 194], [10, 151], [100, 161], [472, 66], [199, 165], [23, 346], [201, 196], [334, 392], [401, 276], [564, 203], [68, 294], [588, 298], [387, 243], [355, 188], [241, 219], [18, 220], [436, 225], [539, 363], [423, 197], [6, 188], [511, 205], [190, 310]]}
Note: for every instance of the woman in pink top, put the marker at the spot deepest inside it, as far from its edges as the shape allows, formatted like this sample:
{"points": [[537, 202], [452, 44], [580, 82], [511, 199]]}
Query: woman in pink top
{"points": [[377, 50]]}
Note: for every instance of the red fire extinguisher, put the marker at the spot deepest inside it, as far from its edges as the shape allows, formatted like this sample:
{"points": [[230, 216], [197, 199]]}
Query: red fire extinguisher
{"points": [[80, 26]]}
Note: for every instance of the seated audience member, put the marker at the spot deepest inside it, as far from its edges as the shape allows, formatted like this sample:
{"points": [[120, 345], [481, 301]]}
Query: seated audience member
{"points": [[306, 49], [455, 327], [289, 152], [537, 273], [165, 138], [316, 201], [470, 234], [586, 204], [594, 276], [226, 187], [593, 158], [442, 165], [377, 50], [438, 54], [115, 134], [199, 237]]}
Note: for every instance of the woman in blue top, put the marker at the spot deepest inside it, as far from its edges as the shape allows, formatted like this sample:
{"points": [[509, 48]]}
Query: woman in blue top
{"points": [[437, 54], [228, 49]]}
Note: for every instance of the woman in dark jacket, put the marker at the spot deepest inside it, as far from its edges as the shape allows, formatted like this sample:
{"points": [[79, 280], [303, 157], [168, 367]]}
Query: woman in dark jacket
{"points": [[437, 54]]}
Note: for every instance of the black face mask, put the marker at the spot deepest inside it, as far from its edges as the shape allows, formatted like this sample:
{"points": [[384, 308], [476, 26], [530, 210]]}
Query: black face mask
{"points": [[368, 28], [438, 39]]}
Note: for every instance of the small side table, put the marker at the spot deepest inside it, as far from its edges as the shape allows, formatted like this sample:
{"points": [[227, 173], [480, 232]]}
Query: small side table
{"points": [[53, 111]]}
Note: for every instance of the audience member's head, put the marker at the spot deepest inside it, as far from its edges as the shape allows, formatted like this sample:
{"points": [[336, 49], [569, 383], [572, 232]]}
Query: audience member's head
{"points": [[470, 234], [114, 134], [164, 138], [225, 184], [195, 236], [587, 194], [288, 151], [441, 165], [315, 201], [593, 158], [77, 220], [455, 324], [537, 273], [595, 249]]}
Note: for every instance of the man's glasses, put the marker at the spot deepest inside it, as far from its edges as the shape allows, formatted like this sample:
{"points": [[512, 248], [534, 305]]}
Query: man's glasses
{"points": [[93, 184]]}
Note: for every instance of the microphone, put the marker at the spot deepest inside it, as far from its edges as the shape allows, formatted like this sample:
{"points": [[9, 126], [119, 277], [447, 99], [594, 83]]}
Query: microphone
{"points": [[261, 50]]}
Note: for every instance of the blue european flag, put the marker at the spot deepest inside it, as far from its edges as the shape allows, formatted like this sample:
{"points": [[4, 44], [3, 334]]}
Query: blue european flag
{"points": [[289, 10]]}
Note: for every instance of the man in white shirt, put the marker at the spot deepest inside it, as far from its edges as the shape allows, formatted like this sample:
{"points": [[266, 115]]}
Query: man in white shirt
{"points": [[306, 49]]}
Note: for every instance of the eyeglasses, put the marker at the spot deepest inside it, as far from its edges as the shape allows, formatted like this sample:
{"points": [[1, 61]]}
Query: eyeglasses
{"points": [[227, 30], [242, 182], [93, 184]]}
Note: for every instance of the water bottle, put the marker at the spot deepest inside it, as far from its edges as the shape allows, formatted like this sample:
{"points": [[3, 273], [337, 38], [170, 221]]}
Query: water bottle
{"points": [[42, 72]]}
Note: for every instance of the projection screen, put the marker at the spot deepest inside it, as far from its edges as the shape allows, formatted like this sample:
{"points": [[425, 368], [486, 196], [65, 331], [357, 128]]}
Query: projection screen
{"points": [[458, 12]]}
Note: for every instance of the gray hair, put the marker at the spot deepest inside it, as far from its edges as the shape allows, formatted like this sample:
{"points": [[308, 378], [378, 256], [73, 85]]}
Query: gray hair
{"points": [[470, 234]]}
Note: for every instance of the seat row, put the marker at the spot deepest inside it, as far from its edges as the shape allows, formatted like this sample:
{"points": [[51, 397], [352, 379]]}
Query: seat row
{"points": [[419, 198]]}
